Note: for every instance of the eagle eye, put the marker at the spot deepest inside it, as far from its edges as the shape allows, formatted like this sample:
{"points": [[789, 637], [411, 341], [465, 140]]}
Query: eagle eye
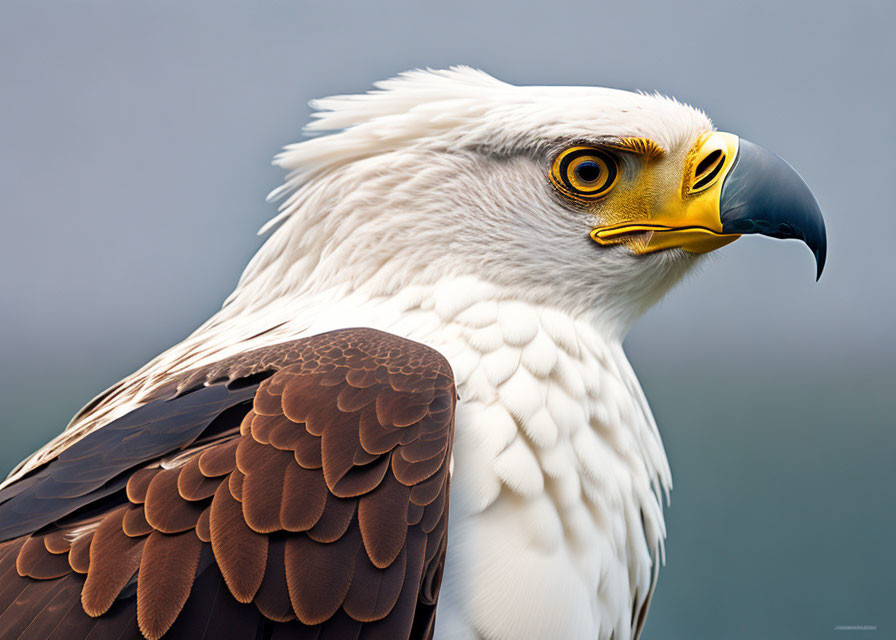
{"points": [[584, 173]]}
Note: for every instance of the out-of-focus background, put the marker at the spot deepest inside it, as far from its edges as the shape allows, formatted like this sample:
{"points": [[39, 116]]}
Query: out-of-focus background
{"points": [[135, 141]]}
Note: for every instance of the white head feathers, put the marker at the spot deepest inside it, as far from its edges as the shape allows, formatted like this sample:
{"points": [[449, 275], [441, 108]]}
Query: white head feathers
{"points": [[437, 172], [463, 107]]}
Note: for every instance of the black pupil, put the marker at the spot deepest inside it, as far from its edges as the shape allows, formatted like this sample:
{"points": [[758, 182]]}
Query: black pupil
{"points": [[588, 171]]}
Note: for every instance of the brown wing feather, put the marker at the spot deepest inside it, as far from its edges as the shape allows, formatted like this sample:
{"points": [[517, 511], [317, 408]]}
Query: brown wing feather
{"points": [[272, 598], [325, 517], [167, 570], [114, 559]]}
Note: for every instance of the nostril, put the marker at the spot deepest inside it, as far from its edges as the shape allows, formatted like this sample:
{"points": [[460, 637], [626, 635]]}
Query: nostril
{"points": [[708, 162], [707, 169]]}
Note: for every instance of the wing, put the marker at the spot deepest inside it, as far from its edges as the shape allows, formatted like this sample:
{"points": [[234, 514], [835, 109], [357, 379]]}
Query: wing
{"points": [[299, 491]]}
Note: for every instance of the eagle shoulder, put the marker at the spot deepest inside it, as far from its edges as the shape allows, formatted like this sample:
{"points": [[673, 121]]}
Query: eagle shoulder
{"points": [[301, 488]]}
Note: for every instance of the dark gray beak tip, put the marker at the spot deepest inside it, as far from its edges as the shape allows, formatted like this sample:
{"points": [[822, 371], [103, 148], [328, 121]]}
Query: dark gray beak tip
{"points": [[820, 256], [765, 195]]}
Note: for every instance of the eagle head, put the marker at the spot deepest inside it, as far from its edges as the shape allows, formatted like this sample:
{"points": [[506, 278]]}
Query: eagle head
{"points": [[593, 200]]}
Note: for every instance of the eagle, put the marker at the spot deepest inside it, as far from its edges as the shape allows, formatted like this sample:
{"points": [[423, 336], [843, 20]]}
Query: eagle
{"points": [[440, 303]]}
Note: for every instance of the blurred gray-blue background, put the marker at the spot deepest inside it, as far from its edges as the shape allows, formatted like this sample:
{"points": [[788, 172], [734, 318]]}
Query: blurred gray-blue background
{"points": [[135, 141]]}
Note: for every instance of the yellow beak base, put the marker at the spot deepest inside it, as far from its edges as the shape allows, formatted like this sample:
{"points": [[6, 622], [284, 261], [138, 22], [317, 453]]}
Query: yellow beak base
{"points": [[691, 220], [657, 238]]}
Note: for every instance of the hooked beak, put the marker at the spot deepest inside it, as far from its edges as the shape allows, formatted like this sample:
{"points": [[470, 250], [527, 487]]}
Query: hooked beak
{"points": [[731, 187]]}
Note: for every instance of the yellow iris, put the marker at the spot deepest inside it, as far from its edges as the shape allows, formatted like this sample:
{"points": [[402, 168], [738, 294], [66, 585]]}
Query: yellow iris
{"points": [[585, 173]]}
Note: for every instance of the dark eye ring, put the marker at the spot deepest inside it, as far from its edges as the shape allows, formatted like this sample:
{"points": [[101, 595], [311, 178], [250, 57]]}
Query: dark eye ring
{"points": [[585, 173]]}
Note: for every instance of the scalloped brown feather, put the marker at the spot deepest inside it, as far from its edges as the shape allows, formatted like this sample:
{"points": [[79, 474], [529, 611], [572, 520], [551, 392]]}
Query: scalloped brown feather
{"points": [[166, 575], [326, 516]]}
